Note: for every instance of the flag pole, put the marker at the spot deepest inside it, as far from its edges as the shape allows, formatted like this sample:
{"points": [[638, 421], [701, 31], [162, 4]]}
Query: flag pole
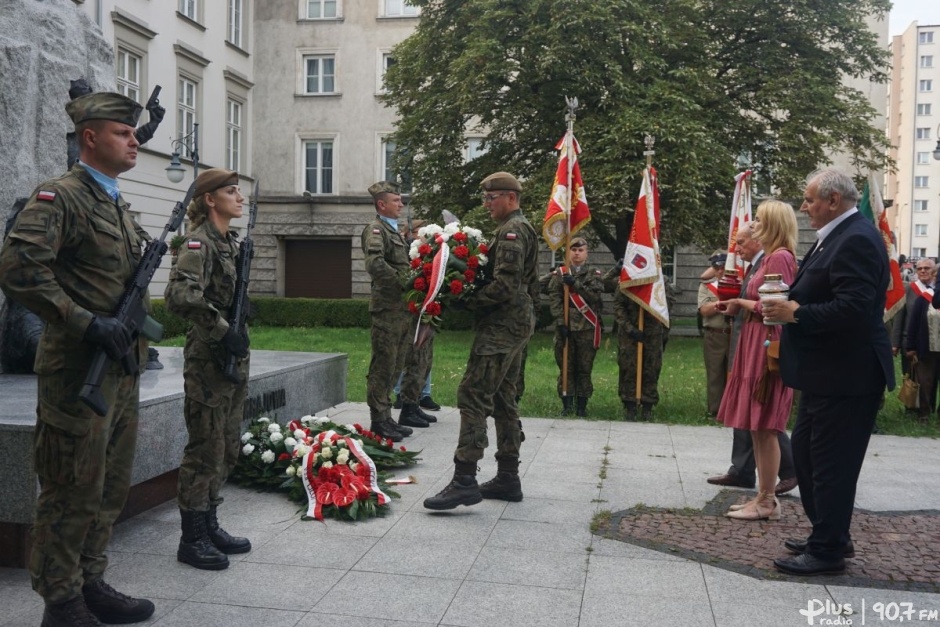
{"points": [[570, 117], [649, 140]]}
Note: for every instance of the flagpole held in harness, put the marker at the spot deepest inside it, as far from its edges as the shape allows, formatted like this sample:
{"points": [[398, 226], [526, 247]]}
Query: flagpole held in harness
{"points": [[570, 117]]}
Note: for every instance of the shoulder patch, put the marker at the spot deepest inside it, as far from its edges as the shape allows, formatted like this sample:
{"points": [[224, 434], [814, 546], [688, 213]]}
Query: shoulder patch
{"points": [[194, 245], [376, 231], [44, 195], [597, 272], [511, 236]]}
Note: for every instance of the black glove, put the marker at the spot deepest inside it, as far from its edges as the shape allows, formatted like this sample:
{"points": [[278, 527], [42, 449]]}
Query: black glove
{"points": [[156, 113], [568, 280], [111, 335], [235, 343], [563, 331], [636, 335]]}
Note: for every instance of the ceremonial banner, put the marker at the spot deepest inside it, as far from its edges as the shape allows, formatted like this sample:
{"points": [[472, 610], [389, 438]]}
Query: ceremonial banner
{"points": [[740, 215], [567, 210], [641, 278], [873, 208]]}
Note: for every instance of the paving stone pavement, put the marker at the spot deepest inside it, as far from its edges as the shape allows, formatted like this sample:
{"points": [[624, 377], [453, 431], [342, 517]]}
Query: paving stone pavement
{"points": [[510, 564]]}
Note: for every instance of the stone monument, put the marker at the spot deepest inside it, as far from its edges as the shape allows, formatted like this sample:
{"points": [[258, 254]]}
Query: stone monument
{"points": [[45, 45]]}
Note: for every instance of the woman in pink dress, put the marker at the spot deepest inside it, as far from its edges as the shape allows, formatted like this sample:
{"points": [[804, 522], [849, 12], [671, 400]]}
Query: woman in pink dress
{"points": [[756, 399]]}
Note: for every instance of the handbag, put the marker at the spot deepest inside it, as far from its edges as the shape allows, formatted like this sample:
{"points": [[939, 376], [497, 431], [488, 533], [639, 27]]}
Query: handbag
{"points": [[770, 373], [909, 392]]}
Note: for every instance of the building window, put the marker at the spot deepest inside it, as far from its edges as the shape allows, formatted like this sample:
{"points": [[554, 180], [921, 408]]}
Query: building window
{"points": [[185, 110], [923, 133], [188, 8], [235, 22], [920, 181], [925, 37], [320, 75], [388, 168], [318, 166], [321, 9], [399, 8], [473, 149], [926, 60], [923, 158], [920, 230], [924, 108], [926, 85], [920, 205], [919, 253], [128, 74], [233, 134]]}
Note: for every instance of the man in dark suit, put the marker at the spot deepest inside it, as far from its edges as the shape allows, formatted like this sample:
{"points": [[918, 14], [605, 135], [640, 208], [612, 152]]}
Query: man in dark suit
{"points": [[835, 349], [918, 288]]}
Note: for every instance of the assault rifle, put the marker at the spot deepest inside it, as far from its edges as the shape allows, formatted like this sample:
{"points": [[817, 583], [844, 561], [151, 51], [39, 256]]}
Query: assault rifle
{"points": [[238, 314], [130, 311]]}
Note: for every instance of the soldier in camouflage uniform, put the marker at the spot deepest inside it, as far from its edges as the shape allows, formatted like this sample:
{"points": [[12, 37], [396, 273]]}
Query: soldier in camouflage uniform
{"points": [[653, 337], [68, 257], [386, 261], [504, 312], [584, 284], [201, 289]]}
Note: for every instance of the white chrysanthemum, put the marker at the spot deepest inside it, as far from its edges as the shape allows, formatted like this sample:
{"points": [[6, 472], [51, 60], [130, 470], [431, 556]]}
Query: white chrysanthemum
{"points": [[290, 442], [452, 228], [267, 457], [327, 464], [428, 231], [248, 449], [326, 452], [483, 259], [299, 434], [245, 437], [276, 437], [413, 251], [343, 456], [306, 419], [320, 420], [473, 233], [274, 428], [350, 428], [290, 471], [264, 419]]}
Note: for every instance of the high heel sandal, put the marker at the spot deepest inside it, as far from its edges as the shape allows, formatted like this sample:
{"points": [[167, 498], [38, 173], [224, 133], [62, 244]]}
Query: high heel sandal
{"points": [[764, 507]]}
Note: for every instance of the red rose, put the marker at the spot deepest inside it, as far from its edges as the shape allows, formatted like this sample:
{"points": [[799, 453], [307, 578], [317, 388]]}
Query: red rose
{"points": [[462, 252], [413, 308], [403, 449], [283, 456], [456, 287], [424, 250], [416, 262], [421, 284], [473, 262], [427, 269], [460, 236], [389, 442], [484, 248], [358, 427], [470, 276], [433, 309]]}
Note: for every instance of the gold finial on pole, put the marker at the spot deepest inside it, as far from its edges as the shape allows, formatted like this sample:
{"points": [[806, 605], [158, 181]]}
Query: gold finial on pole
{"points": [[649, 140]]}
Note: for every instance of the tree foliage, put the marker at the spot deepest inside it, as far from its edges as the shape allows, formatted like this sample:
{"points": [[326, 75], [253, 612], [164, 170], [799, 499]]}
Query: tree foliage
{"points": [[711, 80]]}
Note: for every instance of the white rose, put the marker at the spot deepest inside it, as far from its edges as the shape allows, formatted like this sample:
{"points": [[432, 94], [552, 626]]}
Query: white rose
{"points": [[290, 471], [290, 442], [248, 449], [263, 419], [326, 452], [276, 437], [353, 466], [267, 457], [342, 457], [327, 464], [299, 434], [245, 437], [274, 428], [300, 450]]}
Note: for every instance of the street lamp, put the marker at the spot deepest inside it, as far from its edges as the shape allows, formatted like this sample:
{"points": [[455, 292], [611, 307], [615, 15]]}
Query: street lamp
{"points": [[190, 142], [936, 151]]}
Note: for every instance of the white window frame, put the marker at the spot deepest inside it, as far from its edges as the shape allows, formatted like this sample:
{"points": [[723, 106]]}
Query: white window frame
{"points": [[920, 230], [470, 152], [918, 253], [186, 109], [303, 142], [189, 8], [924, 108], [398, 8], [925, 85], [234, 133], [925, 37], [926, 60], [923, 158], [921, 182], [305, 55], [306, 6], [236, 22], [921, 205], [128, 83], [385, 60], [923, 132], [384, 171]]}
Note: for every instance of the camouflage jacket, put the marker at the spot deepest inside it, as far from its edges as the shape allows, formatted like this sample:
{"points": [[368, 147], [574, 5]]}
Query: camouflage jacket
{"points": [[587, 283], [627, 311], [202, 286], [386, 260], [505, 307], [68, 257]]}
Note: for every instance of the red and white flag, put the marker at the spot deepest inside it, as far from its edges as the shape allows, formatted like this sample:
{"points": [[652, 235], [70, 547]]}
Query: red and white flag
{"points": [[894, 297], [740, 215], [641, 278], [567, 210]]}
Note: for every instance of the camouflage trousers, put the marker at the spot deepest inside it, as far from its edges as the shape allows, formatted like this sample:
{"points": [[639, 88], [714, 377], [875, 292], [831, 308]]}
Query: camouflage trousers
{"points": [[389, 345], [652, 365], [520, 381], [213, 421], [84, 464], [581, 353], [418, 362], [717, 345], [488, 388]]}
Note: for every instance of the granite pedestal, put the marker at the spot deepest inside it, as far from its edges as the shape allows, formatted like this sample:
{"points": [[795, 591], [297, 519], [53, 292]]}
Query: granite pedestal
{"points": [[285, 385]]}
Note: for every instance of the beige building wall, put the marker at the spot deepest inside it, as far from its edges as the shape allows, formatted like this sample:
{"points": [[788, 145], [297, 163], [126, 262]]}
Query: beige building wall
{"points": [[157, 43], [913, 119]]}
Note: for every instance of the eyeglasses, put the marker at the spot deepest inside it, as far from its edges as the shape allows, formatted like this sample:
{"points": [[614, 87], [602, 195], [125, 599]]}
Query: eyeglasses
{"points": [[492, 197], [924, 269]]}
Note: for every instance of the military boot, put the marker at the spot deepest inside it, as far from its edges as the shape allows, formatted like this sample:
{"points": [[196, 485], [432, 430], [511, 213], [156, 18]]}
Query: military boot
{"points": [[196, 549], [505, 486], [582, 406], [424, 415], [629, 411], [566, 405], [221, 538], [647, 414], [386, 429], [409, 416], [113, 607], [71, 613], [462, 490]]}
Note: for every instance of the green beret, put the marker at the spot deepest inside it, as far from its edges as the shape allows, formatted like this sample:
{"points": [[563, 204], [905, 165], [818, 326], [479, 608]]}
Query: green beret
{"points": [[104, 105], [577, 242], [501, 181], [383, 187], [214, 178]]}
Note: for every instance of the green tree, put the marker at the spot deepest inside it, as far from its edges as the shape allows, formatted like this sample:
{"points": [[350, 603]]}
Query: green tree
{"points": [[711, 79]]}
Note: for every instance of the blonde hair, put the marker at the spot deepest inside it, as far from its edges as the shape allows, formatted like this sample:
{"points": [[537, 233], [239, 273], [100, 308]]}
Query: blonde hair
{"points": [[197, 211], [776, 226]]}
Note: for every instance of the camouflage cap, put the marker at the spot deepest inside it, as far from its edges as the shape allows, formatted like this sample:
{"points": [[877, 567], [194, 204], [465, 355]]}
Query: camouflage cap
{"points": [[383, 187], [214, 178], [501, 181], [104, 105], [577, 242]]}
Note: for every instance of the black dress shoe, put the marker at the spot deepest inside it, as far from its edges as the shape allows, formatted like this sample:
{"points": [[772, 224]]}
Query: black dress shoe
{"points": [[785, 486], [731, 481], [428, 403], [806, 565], [798, 547]]}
